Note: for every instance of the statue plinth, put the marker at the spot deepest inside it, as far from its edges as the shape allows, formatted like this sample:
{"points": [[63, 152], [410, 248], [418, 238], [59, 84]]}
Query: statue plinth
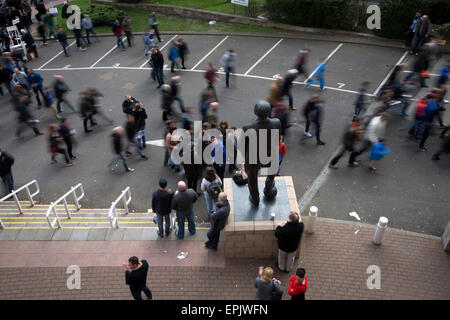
{"points": [[249, 232]]}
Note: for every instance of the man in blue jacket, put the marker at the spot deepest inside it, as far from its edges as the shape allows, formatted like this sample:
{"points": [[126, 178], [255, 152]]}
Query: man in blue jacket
{"points": [[173, 56], [35, 82], [218, 220]]}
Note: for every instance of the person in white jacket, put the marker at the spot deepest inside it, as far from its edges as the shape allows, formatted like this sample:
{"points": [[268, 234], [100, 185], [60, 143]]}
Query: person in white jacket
{"points": [[374, 131]]}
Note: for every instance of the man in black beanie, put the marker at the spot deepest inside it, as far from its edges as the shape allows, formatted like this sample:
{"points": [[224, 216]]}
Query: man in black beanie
{"points": [[161, 206]]}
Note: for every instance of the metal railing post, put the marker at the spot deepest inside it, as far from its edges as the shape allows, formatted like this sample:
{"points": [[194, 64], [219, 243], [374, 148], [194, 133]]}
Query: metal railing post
{"points": [[67, 208], [110, 215], [17, 201], [56, 217], [29, 196], [116, 220], [75, 199], [125, 204]]}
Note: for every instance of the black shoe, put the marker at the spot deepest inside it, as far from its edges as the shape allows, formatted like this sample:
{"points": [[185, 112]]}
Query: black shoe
{"points": [[321, 143], [435, 158], [167, 234], [160, 234], [73, 157], [144, 158], [94, 123], [87, 131]]}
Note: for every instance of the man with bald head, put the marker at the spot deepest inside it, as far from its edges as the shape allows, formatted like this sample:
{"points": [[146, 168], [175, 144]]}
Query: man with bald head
{"points": [[183, 203], [218, 220]]}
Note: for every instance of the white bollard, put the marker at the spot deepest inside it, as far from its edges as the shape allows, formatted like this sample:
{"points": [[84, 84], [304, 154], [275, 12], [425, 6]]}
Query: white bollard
{"points": [[381, 228], [311, 219]]}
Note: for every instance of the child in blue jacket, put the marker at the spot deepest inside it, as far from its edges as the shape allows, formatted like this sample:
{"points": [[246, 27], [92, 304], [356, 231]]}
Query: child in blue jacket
{"points": [[378, 151]]}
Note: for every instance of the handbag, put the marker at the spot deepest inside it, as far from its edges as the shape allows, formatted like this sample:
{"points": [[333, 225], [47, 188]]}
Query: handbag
{"points": [[275, 294]]}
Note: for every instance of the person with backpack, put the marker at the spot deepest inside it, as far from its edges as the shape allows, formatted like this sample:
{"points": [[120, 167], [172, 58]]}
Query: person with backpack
{"points": [[211, 187], [419, 116], [117, 31], [173, 56], [298, 284], [228, 63], [269, 288], [192, 170], [6, 162]]}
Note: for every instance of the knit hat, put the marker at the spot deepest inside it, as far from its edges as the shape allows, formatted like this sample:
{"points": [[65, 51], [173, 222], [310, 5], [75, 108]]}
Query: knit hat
{"points": [[300, 272], [162, 183]]}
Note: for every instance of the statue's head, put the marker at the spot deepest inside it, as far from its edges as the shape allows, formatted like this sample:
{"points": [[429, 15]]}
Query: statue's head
{"points": [[262, 109]]}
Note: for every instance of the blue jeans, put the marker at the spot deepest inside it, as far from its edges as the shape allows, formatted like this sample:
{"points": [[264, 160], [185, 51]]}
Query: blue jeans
{"points": [[117, 157], [210, 203], [119, 42], [166, 157], [181, 217], [51, 31], [88, 31], [64, 46], [158, 72], [418, 42], [166, 218], [140, 141], [321, 81], [8, 181], [213, 237], [411, 74]]}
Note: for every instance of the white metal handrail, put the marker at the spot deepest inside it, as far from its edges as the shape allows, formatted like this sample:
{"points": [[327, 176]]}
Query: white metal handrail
{"points": [[1, 224], [112, 215], [76, 200], [30, 195]]}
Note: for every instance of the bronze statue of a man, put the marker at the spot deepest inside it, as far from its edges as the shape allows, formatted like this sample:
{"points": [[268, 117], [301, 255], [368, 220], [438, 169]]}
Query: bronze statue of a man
{"points": [[262, 153]]}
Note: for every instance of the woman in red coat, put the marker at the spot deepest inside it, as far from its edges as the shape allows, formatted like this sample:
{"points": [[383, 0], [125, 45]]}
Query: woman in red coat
{"points": [[298, 285]]}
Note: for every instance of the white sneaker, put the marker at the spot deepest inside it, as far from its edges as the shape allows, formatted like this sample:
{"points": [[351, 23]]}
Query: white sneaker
{"points": [[130, 170], [307, 134], [445, 101], [81, 49]]}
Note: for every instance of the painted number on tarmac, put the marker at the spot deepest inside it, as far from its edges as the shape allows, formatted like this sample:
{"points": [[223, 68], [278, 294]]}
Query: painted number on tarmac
{"points": [[340, 84]]}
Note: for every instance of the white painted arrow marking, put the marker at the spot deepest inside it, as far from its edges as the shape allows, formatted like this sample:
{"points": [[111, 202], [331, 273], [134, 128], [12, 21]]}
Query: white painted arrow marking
{"points": [[158, 143], [340, 84]]}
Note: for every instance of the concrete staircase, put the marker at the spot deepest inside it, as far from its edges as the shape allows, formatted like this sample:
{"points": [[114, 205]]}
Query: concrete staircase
{"points": [[84, 224]]}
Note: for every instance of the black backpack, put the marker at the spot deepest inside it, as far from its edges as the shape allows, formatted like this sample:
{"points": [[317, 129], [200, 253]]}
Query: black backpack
{"points": [[214, 189]]}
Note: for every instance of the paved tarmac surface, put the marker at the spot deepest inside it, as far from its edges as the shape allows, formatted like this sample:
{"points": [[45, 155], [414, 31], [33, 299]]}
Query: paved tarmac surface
{"points": [[409, 188]]}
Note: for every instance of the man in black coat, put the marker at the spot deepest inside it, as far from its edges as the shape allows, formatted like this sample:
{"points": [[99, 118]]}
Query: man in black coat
{"points": [[130, 128], [6, 162], [60, 88], [218, 221], [128, 104], [288, 235], [287, 86], [5, 78], [136, 278], [192, 170], [157, 61], [162, 206]]}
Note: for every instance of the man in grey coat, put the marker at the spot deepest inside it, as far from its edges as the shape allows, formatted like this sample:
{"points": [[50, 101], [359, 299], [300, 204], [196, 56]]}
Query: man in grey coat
{"points": [[421, 33], [218, 220], [183, 204]]}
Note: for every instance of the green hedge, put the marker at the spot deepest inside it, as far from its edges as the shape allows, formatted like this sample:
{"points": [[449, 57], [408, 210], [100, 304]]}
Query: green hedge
{"points": [[130, 1], [103, 16], [306, 13], [397, 15], [444, 30]]}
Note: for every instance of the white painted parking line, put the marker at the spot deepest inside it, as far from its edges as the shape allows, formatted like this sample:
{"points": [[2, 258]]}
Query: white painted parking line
{"points": [[56, 56], [390, 73], [326, 59], [160, 49], [106, 54], [198, 71], [260, 59], [431, 74], [198, 63]]}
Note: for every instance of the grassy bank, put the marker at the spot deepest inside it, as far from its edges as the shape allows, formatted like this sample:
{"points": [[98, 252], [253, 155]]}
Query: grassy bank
{"points": [[139, 20], [224, 6]]}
